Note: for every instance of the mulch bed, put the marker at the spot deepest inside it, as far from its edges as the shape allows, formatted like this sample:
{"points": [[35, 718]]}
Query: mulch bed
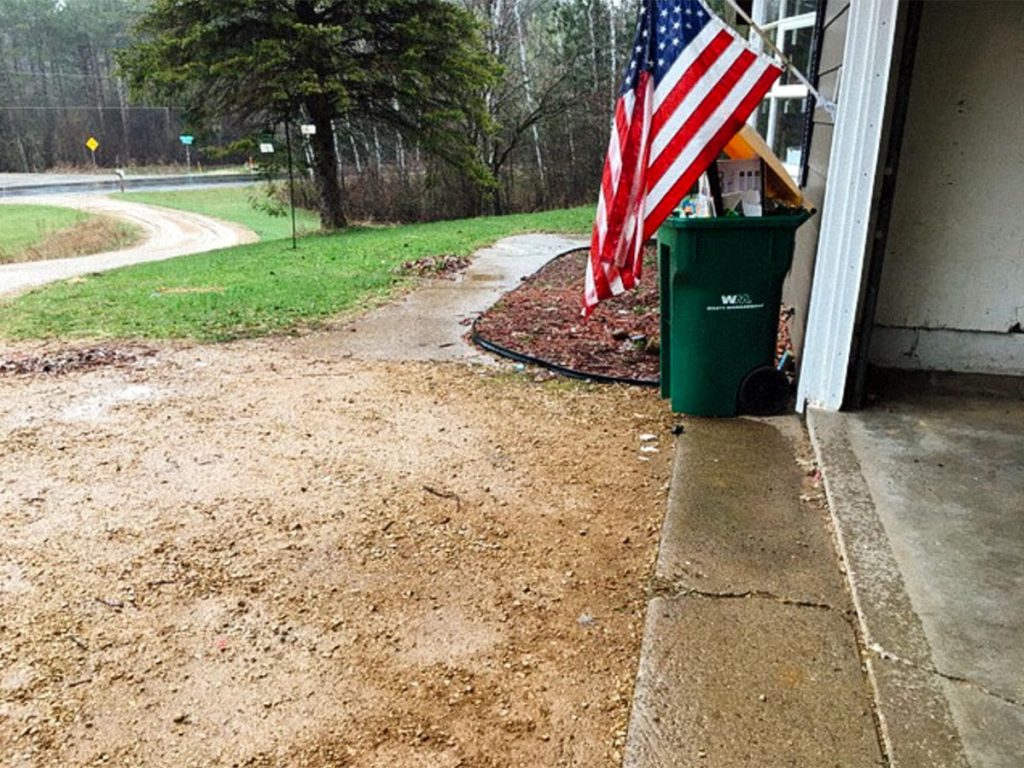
{"points": [[541, 318]]}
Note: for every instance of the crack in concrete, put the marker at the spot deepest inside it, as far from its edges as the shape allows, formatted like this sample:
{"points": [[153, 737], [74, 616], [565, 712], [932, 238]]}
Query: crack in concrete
{"points": [[882, 653], [666, 588]]}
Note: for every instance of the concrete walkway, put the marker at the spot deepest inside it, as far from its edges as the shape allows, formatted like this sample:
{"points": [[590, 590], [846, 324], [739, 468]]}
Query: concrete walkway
{"points": [[928, 497], [750, 654], [169, 234], [431, 322]]}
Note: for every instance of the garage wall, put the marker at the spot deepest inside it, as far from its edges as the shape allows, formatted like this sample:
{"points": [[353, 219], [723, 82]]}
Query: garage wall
{"points": [[952, 290]]}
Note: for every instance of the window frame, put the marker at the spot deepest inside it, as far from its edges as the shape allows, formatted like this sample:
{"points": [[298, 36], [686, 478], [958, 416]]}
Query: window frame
{"points": [[779, 92]]}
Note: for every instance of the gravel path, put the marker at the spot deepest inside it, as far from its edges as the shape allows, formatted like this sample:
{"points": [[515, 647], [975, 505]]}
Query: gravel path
{"points": [[170, 233], [245, 555]]}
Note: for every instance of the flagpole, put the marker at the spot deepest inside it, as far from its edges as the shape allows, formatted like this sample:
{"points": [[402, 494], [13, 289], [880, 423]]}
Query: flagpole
{"points": [[827, 104]]}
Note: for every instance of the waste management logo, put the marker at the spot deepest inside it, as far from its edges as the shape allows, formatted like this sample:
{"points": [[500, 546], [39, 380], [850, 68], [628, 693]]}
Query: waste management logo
{"points": [[735, 301]]}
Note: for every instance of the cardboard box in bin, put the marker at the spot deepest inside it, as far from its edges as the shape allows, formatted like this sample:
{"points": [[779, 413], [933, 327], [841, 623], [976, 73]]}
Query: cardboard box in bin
{"points": [[777, 183], [742, 183]]}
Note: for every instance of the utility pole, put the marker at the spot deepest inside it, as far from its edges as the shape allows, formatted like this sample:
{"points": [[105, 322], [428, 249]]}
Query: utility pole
{"points": [[291, 179]]}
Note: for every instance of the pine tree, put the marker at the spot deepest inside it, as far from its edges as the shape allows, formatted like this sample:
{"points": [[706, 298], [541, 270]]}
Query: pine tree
{"points": [[417, 66]]}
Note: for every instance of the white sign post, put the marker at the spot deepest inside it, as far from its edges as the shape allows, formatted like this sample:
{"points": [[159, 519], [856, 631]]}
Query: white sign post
{"points": [[186, 140]]}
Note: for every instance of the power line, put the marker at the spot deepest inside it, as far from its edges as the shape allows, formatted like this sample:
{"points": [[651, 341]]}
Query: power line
{"points": [[111, 109], [26, 73]]}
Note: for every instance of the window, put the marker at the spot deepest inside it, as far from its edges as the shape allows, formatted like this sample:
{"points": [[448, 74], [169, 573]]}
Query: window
{"points": [[782, 117]]}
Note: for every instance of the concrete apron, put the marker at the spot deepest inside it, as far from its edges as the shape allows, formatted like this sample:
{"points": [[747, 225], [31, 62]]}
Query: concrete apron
{"points": [[927, 495], [750, 654]]}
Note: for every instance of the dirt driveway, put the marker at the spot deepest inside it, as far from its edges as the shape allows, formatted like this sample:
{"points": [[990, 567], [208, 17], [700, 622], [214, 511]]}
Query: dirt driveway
{"points": [[169, 233], [245, 555]]}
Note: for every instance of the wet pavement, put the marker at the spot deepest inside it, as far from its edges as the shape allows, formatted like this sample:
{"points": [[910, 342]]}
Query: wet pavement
{"points": [[34, 184], [928, 497], [431, 323]]}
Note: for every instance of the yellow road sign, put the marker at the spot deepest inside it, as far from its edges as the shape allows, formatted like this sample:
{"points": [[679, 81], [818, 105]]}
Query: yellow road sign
{"points": [[92, 144]]}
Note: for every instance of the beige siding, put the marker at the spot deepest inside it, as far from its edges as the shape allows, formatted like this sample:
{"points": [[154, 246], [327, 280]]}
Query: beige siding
{"points": [[797, 289]]}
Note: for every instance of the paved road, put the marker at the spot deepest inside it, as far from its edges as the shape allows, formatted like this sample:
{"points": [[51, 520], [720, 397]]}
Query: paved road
{"points": [[169, 234], [35, 184]]}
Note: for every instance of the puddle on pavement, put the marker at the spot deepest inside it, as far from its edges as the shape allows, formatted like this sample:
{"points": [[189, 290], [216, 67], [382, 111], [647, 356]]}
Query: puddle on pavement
{"points": [[483, 277]]}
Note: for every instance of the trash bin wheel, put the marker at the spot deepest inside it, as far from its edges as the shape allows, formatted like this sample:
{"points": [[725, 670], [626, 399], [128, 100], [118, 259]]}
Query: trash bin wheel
{"points": [[764, 392]]}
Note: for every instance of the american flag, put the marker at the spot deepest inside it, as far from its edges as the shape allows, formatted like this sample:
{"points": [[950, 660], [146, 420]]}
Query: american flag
{"points": [[690, 84]]}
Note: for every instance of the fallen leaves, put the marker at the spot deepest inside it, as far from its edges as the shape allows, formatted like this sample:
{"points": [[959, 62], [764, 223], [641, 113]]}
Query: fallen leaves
{"points": [[68, 360]]}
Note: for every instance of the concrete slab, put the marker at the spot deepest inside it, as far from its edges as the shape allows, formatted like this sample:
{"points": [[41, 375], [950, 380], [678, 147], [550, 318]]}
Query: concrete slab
{"points": [[928, 495], [915, 722], [749, 655], [737, 522], [749, 682], [947, 478], [914, 715], [425, 324], [883, 605], [982, 715]]}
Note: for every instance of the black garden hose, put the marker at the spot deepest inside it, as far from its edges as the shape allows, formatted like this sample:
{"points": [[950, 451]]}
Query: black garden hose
{"points": [[571, 373]]}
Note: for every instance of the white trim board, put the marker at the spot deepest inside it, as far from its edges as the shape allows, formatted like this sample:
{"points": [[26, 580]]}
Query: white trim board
{"points": [[847, 207]]}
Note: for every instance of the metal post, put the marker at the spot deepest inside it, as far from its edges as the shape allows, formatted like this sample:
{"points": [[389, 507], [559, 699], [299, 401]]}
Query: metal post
{"points": [[188, 159], [291, 180]]}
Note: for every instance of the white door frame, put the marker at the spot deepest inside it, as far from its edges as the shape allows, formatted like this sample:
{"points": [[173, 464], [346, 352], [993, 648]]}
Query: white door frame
{"points": [[848, 204]]}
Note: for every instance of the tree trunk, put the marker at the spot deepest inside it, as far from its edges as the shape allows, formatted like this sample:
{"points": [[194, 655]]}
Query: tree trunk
{"points": [[528, 93], [325, 167], [494, 12], [377, 151], [612, 49], [593, 44], [122, 99], [355, 152], [355, 147], [337, 156]]}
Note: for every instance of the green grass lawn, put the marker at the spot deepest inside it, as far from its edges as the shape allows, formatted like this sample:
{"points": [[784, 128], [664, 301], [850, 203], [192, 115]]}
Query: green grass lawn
{"points": [[257, 289], [24, 226], [230, 204]]}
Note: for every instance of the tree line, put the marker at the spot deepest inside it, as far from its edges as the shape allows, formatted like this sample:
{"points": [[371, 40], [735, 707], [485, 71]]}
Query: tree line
{"points": [[423, 108], [59, 85]]}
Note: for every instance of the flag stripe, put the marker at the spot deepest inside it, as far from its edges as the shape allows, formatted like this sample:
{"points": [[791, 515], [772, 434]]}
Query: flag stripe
{"points": [[693, 52], [632, 173], [661, 207], [675, 101], [667, 173], [688, 88], [676, 139]]}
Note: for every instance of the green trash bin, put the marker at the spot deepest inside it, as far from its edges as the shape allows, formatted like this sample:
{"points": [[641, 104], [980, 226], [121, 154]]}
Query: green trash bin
{"points": [[721, 290]]}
